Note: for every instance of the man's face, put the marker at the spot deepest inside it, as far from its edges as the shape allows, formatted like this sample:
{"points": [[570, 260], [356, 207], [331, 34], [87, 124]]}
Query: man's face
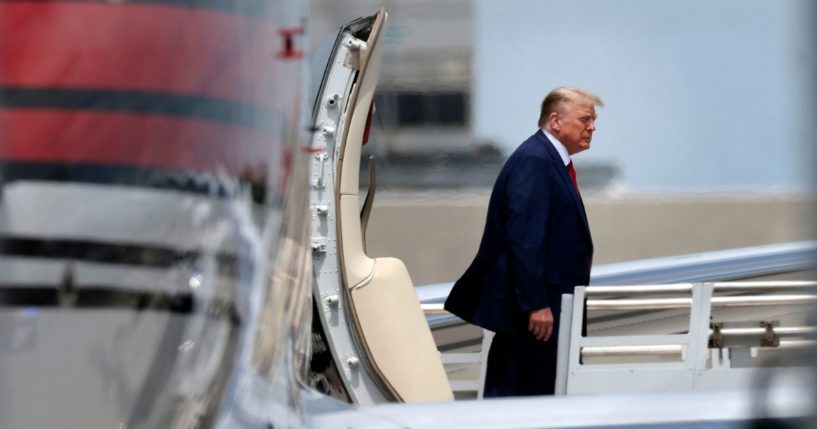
{"points": [[574, 125]]}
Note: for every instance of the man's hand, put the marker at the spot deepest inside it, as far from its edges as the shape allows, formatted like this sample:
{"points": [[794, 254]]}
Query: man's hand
{"points": [[540, 323]]}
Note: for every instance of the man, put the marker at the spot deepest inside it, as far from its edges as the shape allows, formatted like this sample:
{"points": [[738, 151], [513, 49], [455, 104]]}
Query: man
{"points": [[535, 247]]}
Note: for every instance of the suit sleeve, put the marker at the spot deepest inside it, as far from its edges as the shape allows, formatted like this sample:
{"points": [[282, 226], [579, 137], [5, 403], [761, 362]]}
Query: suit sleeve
{"points": [[529, 193]]}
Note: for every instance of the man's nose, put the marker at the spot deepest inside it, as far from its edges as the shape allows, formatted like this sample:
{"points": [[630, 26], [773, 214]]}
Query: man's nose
{"points": [[592, 125]]}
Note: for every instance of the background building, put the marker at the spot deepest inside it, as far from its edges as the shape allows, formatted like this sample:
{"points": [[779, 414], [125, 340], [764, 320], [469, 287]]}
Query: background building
{"points": [[424, 97]]}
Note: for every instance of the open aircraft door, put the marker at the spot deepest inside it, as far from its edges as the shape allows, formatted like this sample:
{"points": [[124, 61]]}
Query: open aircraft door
{"points": [[373, 342]]}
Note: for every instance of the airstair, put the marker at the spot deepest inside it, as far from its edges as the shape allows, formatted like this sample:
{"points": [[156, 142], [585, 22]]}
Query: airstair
{"points": [[677, 337]]}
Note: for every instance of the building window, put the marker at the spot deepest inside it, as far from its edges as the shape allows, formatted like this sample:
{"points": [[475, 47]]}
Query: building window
{"points": [[400, 108]]}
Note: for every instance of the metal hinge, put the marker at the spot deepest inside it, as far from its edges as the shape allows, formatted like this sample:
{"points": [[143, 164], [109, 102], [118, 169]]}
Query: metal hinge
{"points": [[319, 245]]}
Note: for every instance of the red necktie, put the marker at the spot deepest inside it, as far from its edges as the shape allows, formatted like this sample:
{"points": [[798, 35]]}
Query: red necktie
{"points": [[572, 172]]}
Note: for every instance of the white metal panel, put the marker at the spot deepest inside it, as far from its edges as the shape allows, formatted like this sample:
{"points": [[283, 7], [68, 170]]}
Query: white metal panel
{"points": [[712, 409], [332, 307], [120, 214]]}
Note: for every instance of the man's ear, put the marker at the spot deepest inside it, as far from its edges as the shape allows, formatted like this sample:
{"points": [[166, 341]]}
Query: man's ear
{"points": [[553, 120]]}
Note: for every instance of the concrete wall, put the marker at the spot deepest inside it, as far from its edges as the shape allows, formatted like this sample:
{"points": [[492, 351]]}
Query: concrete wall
{"points": [[437, 234]]}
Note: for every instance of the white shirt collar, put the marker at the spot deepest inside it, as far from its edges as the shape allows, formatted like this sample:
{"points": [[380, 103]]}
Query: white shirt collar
{"points": [[559, 146]]}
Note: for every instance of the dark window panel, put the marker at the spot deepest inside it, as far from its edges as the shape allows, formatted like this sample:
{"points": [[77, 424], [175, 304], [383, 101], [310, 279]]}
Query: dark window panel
{"points": [[398, 108], [449, 108], [411, 109]]}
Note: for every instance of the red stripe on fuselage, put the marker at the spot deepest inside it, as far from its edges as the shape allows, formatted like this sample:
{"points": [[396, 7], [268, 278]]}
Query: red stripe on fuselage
{"points": [[136, 140], [142, 47]]}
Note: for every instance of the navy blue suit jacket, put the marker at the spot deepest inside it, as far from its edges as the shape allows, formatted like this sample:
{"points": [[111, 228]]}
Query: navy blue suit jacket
{"points": [[535, 247]]}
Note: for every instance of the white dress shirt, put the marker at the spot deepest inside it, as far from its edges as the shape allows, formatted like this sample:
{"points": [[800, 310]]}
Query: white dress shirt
{"points": [[559, 146]]}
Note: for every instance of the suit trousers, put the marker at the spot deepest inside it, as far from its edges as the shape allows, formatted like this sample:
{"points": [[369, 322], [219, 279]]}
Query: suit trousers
{"points": [[520, 365]]}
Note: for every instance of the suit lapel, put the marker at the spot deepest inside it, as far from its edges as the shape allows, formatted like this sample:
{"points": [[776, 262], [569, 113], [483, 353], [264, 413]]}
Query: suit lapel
{"points": [[560, 167]]}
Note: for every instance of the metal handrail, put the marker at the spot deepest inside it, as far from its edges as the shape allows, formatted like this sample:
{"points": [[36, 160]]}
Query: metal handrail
{"points": [[638, 304], [678, 349], [787, 332], [762, 300], [790, 345], [433, 309], [627, 290], [782, 331], [769, 286], [656, 350], [753, 286], [681, 303]]}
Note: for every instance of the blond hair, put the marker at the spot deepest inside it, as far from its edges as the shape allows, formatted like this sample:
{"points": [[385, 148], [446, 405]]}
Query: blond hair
{"points": [[558, 96]]}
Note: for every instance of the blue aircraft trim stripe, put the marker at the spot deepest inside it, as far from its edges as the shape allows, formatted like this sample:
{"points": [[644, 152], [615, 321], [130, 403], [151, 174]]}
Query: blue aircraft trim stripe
{"points": [[120, 175], [251, 8], [186, 106], [120, 254]]}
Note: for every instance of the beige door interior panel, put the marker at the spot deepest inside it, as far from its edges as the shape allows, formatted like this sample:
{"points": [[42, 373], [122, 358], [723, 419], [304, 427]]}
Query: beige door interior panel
{"points": [[367, 82], [397, 334], [389, 322], [358, 268]]}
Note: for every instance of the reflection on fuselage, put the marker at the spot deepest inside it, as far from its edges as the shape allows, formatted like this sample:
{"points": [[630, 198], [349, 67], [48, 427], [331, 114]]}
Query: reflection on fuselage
{"points": [[153, 258]]}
